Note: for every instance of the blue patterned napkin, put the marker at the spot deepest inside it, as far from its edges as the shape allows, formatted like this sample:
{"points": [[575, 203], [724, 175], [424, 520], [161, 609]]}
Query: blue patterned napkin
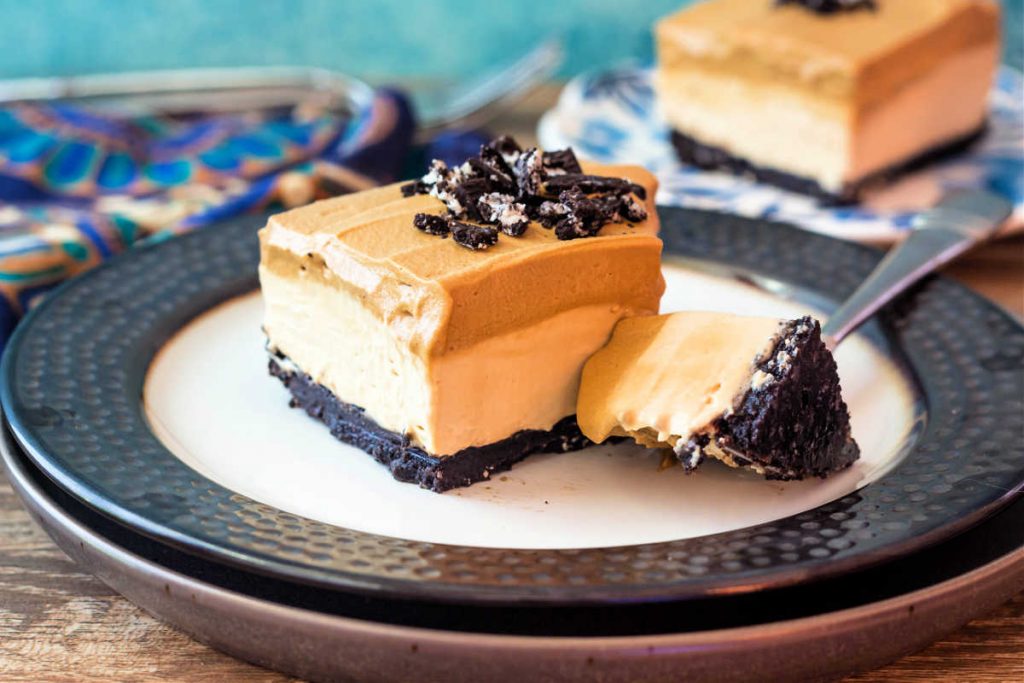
{"points": [[77, 187]]}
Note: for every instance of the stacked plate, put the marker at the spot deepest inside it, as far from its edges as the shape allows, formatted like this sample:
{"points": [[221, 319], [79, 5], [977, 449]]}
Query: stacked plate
{"points": [[143, 432]]}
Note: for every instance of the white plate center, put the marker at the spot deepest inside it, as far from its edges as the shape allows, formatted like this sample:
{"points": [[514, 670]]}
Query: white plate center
{"points": [[210, 399]]}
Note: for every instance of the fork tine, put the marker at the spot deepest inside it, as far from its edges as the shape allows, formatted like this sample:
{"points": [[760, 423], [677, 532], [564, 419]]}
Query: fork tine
{"points": [[538, 62], [471, 99]]}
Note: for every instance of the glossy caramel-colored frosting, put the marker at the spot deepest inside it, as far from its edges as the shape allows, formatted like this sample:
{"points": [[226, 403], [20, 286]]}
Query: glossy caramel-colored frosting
{"points": [[864, 55], [436, 296]]}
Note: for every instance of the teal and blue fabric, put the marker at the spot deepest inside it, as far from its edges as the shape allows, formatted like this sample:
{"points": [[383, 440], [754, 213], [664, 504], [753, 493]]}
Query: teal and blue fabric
{"points": [[60, 151], [77, 186]]}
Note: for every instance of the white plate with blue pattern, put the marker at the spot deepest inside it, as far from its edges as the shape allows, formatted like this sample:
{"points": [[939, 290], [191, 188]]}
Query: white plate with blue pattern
{"points": [[612, 117]]}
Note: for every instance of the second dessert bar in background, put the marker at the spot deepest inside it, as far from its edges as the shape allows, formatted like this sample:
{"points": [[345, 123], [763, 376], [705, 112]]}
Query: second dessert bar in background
{"points": [[825, 97]]}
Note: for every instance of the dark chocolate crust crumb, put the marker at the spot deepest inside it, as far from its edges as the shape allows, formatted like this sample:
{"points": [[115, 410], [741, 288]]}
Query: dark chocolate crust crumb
{"points": [[407, 462], [792, 423], [831, 6], [475, 237], [432, 224], [695, 153], [506, 187]]}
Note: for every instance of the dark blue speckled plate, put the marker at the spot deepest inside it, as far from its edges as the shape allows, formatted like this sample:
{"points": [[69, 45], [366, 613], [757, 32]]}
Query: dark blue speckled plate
{"points": [[72, 382]]}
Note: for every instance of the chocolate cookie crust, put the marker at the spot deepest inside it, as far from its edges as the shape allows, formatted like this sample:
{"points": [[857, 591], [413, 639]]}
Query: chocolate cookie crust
{"points": [[695, 153], [408, 463], [792, 423]]}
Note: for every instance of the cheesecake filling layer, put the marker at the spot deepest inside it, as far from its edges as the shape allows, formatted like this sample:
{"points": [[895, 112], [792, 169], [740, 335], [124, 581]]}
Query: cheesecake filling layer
{"points": [[522, 379], [777, 126], [751, 392], [767, 125]]}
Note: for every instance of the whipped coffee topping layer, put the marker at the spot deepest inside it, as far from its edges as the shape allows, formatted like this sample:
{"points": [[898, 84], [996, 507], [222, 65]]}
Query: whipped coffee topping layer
{"points": [[864, 55], [436, 297], [663, 379]]}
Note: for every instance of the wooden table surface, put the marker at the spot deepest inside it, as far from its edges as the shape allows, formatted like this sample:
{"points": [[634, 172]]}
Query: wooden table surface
{"points": [[60, 624]]}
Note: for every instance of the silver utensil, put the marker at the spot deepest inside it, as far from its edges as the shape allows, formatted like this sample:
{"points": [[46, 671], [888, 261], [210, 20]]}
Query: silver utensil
{"points": [[475, 101], [249, 88], [960, 220]]}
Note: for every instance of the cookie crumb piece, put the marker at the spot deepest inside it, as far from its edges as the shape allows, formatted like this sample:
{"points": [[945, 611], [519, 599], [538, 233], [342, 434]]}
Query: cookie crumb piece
{"points": [[432, 224], [475, 237]]}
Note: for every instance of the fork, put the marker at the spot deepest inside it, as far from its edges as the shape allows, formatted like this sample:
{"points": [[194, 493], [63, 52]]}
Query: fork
{"points": [[961, 220], [475, 102]]}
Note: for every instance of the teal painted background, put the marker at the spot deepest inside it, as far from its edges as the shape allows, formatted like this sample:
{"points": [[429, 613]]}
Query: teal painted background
{"points": [[376, 39]]}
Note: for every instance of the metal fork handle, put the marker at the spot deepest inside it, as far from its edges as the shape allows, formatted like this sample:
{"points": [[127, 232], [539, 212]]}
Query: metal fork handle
{"points": [[958, 222], [472, 103]]}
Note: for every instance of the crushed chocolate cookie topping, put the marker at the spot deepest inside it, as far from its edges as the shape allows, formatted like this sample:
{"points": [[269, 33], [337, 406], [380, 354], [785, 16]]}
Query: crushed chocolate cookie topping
{"points": [[562, 161], [507, 147], [576, 214], [505, 212], [590, 184], [445, 183], [414, 188], [831, 6], [529, 168], [432, 224], [505, 187], [549, 214], [474, 237], [626, 209], [468, 193], [585, 216], [494, 169]]}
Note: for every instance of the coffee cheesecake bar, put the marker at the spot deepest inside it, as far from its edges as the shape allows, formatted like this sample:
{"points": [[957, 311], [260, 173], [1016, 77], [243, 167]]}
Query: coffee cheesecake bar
{"points": [[442, 325], [825, 97], [752, 392]]}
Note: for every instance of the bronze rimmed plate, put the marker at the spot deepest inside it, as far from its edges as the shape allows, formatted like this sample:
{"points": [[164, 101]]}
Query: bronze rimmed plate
{"points": [[73, 377]]}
